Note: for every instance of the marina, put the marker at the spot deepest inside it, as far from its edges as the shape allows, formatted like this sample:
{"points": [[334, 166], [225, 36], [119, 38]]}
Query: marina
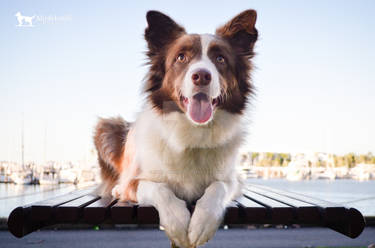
{"points": [[29, 182], [302, 166], [51, 173]]}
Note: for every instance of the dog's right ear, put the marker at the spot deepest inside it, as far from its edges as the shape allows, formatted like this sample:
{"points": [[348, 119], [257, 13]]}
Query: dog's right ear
{"points": [[161, 30]]}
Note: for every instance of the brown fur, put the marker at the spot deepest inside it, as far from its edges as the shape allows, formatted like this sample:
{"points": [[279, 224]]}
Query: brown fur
{"points": [[130, 194], [241, 34], [160, 32], [109, 138]]}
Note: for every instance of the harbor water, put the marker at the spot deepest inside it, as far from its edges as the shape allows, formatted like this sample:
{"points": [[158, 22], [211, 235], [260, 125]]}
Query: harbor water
{"points": [[358, 194]]}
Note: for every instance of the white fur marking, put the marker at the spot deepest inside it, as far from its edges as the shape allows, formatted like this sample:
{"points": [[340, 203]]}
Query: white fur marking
{"points": [[173, 214], [203, 63]]}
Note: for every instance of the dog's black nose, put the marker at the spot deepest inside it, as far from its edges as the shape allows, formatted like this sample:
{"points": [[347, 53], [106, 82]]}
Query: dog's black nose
{"points": [[201, 77]]}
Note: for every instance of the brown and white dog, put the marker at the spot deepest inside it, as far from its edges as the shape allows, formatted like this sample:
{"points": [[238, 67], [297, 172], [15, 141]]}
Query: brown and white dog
{"points": [[183, 146]]}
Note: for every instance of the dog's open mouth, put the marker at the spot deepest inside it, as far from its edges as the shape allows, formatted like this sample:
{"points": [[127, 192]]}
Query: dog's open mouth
{"points": [[200, 107]]}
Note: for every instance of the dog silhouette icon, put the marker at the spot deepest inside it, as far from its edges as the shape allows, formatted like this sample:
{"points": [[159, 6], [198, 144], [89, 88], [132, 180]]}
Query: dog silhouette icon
{"points": [[23, 20]]}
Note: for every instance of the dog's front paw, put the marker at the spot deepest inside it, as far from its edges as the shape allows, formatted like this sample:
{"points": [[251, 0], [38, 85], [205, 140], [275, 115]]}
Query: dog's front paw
{"points": [[203, 224], [116, 191], [175, 217]]}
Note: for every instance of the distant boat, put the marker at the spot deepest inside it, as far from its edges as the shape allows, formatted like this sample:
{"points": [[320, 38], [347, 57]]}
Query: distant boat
{"points": [[22, 177], [327, 174], [298, 169], [87, 175], [68, 176], [362, 172], [5, 178], [48, 178]]}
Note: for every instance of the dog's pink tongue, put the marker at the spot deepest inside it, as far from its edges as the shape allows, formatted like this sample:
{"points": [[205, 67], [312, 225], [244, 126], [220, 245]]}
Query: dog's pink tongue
{"points": [[200, 109]]}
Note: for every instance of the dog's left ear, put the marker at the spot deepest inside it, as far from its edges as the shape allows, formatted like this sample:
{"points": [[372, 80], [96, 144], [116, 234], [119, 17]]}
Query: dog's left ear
{"points": [[241, 32], [161, 30]]}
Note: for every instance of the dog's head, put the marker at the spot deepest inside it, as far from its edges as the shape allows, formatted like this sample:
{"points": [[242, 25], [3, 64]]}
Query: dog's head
{"points": [[197, 74], [18, 14]]}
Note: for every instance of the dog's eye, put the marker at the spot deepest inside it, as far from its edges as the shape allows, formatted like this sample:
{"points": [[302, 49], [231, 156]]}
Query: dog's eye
{"points": [[181, 58], [220, 59]]}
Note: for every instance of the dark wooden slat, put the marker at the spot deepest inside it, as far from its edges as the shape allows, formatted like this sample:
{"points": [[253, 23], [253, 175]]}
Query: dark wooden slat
{"points": [[351, 224], [44, 210], [98, 211], [232, 214], [329, 211], [72, 211], [301, 197], [306, 213], [20, 224], [123, 213], [265, 201], [281, 198], [31, 217], [147, 215], [279, 213], [250, 211]]}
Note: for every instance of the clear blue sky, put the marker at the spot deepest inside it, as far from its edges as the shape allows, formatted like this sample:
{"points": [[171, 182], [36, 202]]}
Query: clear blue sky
{"points": [[315, 72]]}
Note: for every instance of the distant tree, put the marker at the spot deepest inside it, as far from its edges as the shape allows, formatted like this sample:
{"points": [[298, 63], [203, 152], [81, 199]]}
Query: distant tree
{"points": [[323, 163], [350, 159], [362, 158], [286, 156], [269, 155], [254, 156], [335, 161]]}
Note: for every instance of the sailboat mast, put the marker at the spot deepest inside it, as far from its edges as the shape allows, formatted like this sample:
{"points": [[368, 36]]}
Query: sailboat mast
{"points": [[45, 144], [22, 143]]}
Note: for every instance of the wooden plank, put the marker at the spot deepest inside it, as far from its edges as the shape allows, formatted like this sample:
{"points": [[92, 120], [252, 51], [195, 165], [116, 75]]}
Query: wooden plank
{"points": [[72, 211], [232, 214], [31, 217], [259, 205], [278, 213], [98, 211], [306, 213], [250, 211], [44, 210], [328, 210], [20, 224], [298, 196], [123, 213], [147, 215], [351, 224]]}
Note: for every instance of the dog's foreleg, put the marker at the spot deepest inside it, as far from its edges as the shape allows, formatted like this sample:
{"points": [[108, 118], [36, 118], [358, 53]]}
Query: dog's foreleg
{"points": [[173, 213], [209, 211]]}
